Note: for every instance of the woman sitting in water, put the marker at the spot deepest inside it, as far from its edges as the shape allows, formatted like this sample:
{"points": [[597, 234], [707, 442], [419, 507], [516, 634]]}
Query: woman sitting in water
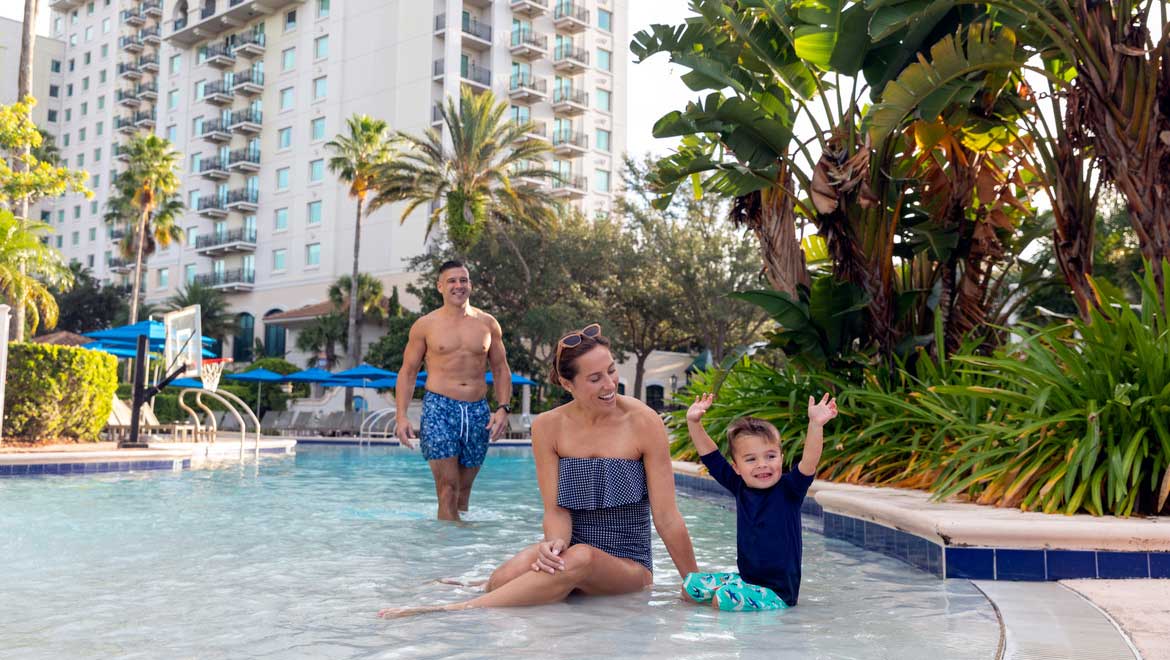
{"points": [[603, 466]]}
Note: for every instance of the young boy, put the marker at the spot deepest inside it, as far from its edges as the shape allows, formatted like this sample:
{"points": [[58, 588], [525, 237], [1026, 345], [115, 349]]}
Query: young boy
{"points": [[768, 541]]}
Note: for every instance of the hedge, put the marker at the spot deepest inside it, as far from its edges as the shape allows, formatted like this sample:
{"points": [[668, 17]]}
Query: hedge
{"points": [[58, 392]]}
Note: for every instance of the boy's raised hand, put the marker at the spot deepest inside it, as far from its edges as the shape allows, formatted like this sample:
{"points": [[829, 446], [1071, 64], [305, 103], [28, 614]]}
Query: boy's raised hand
{"points": [[700, 407], [818, 413]]}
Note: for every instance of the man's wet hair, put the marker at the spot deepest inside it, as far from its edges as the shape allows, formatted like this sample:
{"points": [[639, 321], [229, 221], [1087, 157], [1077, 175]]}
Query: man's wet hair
{"points": [[451, 263], [750, 426]]}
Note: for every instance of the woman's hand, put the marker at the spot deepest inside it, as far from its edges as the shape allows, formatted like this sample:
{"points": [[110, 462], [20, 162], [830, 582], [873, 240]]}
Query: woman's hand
{"points": [[548, 556]]}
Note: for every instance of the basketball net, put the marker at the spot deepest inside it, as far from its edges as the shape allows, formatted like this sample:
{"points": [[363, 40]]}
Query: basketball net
{"points": [[210, 371]]}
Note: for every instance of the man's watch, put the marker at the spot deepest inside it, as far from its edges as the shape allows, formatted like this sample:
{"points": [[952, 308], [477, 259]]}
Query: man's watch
{"points": [[507, 409]]}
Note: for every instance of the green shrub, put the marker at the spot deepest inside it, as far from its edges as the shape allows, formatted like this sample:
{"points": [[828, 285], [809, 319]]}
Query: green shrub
{"points": [[58, 391]]}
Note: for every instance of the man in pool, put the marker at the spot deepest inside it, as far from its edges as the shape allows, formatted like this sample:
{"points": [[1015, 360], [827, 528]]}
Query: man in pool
{"points": [[457, 341]]}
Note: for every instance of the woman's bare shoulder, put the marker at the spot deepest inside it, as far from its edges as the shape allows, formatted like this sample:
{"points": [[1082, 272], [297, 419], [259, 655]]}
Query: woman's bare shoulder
{"points": [[545, 425]]}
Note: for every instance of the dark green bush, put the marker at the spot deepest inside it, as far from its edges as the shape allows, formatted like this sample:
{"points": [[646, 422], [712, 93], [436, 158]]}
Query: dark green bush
{"points": [[58, 392]]}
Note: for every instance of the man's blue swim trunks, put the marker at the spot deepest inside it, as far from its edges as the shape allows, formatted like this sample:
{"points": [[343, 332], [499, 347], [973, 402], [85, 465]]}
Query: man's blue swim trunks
{"points": [[451, 427]]}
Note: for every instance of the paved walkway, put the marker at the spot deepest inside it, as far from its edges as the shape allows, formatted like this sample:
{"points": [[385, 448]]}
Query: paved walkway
{"points": [[1141, 607]]}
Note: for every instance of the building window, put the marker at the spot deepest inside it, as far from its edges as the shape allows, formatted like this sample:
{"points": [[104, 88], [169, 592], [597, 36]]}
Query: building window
{"points": [[314, 213], [321, 47], [602, 139], [53, 116], [102, 77], [105, 50], [196, 162], [601, 181], [84, 108], [279, 259], [313, 254], [88, 259], [65, 137], [604, 58], [189, 274], [87, 58], [197, 126], [322, 8], [105, 26], [286, 98], [317, 129], [655, 397], [164, 278], [54, 91], [97, 181], [85, 83], [75, 238], [290, 21], [274, 335], [316, 170], [97, 157], [288, 59], [89, 33], [280, 219], [60, 242], [193, 199], [282, 178], [173, 133], [176, 62], [81, 134], [93, 233], [320, 87], [604, 100], [245, 337], [101, 101], [81, 159], [57, 25], [284, 138], [55, 66], [199, 87], [192, 235], [605, 20], [172, 99]]}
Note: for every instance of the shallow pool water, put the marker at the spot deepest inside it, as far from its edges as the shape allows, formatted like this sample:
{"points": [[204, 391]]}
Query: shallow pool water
{"points": [[294, 557]]}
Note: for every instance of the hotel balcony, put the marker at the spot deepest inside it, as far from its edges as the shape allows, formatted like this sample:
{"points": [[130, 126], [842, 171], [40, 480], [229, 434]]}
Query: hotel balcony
{"points": [[116, 234], [570, 144], [478, 77], [133, 17], [144, 119], [219, 56], [570, 17], [569, 101], [246, 122], [217, 92], [215, 130], [248, 83], [152, 8], [130, 44], [124, 124], [243, 200], [127, 98], [119, 265], [148, 63], [236, 279], [528, 45], [539, 131], [249, 44], [527, 88], [569, 186], [129, 70], [121, 153], [477, 35], [214, 169], [147, 91], [570, 59], [220, 17], [227, 242], [482, 4], [530, 7], [244, 160], [151, 36], [213, 207], [523, 174], [65, 5]]}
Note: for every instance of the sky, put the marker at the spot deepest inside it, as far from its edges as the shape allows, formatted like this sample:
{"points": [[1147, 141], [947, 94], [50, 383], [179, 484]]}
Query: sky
{"points": [[654, 86]]}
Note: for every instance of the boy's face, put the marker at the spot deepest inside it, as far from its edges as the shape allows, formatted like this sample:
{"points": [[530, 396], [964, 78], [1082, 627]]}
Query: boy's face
{"points": [[757, 460]]}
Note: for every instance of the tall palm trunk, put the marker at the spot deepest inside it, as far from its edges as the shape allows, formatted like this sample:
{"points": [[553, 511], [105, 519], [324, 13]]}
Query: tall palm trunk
{"points": [[136, 291], [355, 334], [28, 37]]}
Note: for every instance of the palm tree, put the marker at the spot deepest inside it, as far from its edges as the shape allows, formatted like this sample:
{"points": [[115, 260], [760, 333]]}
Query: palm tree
{"points": [[215, 317], [153, 177], [28, 267], [162, 230], [473, 184], [370, 295], [355, 160], [322, 337], [28, 35]]}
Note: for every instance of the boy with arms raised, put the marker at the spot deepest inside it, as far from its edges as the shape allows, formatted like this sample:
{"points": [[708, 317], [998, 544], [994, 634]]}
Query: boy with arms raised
{"points": [[768, 537]]}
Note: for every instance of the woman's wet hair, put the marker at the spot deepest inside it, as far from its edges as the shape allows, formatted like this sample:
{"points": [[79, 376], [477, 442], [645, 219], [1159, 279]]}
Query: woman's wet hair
{"points": [[753, 426], [566, 365]]}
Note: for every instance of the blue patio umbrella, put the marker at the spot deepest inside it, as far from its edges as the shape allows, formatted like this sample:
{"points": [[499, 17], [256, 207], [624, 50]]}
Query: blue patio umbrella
{"points": [[155, 330], [194, 383], [118, 350], [258, 376], [364, 372], [517, 379], [314, 375], [392, 382]]}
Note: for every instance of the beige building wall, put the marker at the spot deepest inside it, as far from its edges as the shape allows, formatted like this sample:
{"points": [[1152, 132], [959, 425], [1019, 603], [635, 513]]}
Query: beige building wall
{"points": [[47, 63], [322, 61], [664, 369]]}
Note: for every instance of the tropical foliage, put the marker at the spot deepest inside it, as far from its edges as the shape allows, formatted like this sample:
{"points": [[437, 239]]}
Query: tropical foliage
{"points": [[28, 268], [215, 315], [56, 392]]}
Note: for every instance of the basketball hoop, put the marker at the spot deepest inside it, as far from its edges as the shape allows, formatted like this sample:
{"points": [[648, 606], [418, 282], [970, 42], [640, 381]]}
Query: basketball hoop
{"points": [[210, 371]]}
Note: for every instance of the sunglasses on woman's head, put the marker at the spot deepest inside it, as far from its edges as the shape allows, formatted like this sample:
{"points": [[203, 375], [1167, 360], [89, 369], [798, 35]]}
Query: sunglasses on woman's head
{"points": [[577, 336]]}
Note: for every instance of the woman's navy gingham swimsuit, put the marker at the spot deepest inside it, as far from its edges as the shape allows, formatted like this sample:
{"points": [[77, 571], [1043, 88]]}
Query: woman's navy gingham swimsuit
{"points": [[610, 505]]}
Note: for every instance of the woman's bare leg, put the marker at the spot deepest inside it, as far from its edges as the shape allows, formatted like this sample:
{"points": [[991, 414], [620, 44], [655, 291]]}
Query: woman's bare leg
{"points": [[588, 569], [513, 568]]}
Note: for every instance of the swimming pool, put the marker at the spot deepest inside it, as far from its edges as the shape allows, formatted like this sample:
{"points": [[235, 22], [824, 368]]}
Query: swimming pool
{"points": [[293, 558]]}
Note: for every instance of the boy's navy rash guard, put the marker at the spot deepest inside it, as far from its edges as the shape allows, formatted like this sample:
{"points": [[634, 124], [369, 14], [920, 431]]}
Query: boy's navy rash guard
{"points": [[768, 537]]}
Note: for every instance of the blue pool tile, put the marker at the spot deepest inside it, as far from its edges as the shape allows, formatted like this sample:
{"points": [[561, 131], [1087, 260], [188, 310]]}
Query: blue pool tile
{"points": [[971, 563], [934, 561], [1160, 564], [5, 470], [1112, 565], [1071, 564], [20, 470], [1025, 565], [36, 469]]}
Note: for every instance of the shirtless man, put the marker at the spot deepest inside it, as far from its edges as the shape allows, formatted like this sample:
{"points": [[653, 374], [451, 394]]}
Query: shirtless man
{"points": [[457, 341]]}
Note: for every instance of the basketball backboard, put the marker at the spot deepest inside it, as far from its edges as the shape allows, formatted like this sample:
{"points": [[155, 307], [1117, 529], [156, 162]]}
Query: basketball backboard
{"points": [[184, 341]]}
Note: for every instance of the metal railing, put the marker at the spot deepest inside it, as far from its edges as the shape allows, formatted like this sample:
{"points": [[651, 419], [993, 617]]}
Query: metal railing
{"points": [[178, 24], [477, 29], [575, 138], [570, 52], [566, 9], [233, 276], [569, 182], [247, 115], [146, 33], [146, 115], [243, 235], [250, 76], [570, 95], [147, 60], [129, 41], [527, 81], [216, 87], [128, 67], [475, 72], [212, 165], [244, 195], [213, 126], [529, 38], [219, 50], [244, 156], [250, 38], [212, 203]]}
